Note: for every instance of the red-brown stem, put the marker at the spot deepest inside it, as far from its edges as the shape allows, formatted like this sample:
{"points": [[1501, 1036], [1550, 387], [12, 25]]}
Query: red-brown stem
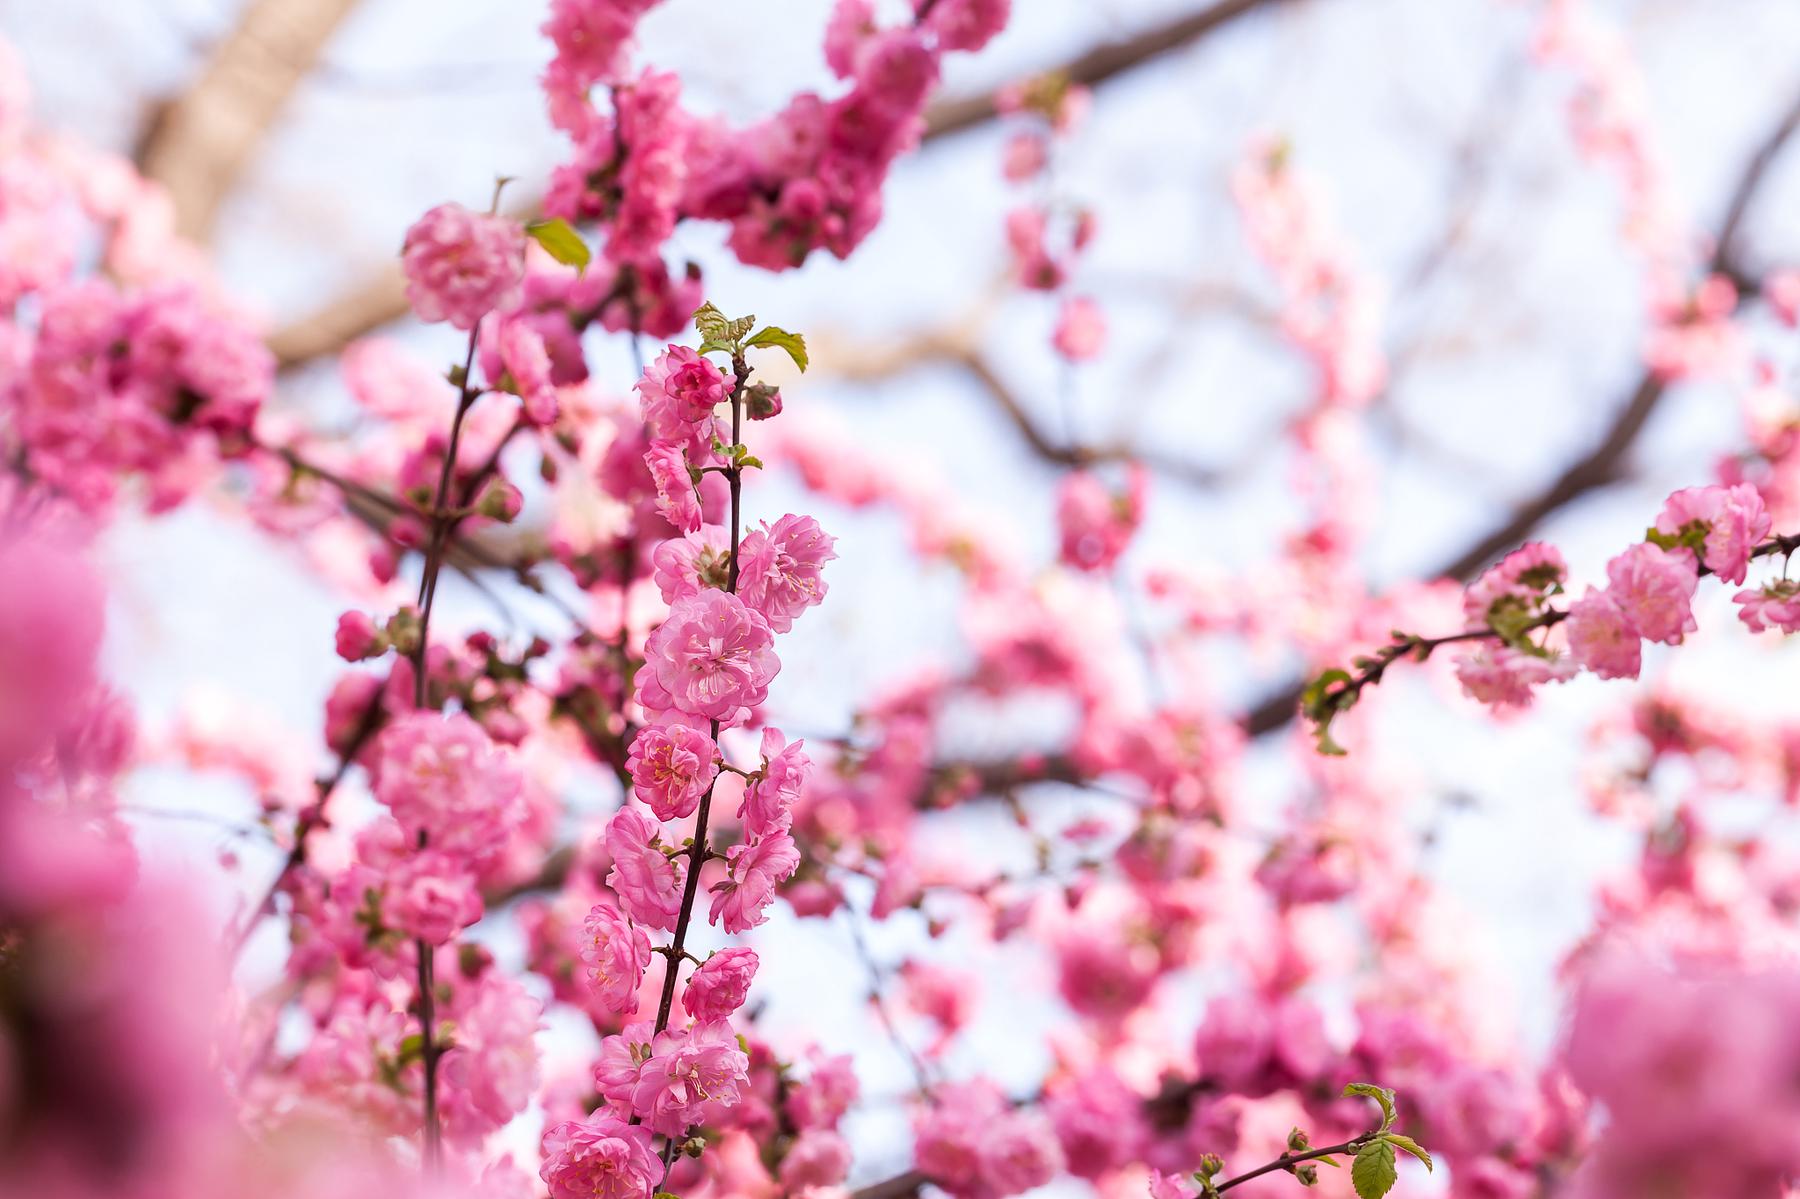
{"points": [[441, 523]]}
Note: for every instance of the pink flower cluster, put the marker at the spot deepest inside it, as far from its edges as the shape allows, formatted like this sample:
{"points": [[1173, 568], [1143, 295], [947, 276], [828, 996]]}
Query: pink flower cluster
{"points": [[461, 265], [1648, 597]]}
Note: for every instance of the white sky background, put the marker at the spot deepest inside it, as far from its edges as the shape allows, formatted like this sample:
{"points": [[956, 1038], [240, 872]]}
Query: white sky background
{"points": [[1532, 330]]}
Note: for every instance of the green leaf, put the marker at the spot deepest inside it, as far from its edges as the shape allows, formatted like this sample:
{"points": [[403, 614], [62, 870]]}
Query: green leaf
{"points": [[1381, 1095], [713, 345], [793, 343], [561, 242], [710, 321], [1373, 1173], [1410, 1145]]}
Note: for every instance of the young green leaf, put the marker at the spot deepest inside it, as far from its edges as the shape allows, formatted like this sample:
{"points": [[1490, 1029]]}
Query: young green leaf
{"points": [[1381, 1095], [793, 343], [1410, 1145], [561, 242], [1373, 1173], [710, 321]]}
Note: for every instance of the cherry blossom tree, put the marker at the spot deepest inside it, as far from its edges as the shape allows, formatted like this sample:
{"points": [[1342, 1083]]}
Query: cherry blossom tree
{"points": [[508, 919]]}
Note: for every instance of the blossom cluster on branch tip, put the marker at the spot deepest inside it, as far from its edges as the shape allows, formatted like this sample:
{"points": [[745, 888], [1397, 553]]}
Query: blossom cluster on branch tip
{"points": [[1520, 639]]}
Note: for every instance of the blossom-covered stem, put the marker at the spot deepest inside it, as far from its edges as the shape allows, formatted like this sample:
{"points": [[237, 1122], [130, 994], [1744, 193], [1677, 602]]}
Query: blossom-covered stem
{"points": [[1288, 1160], [697, 851]]}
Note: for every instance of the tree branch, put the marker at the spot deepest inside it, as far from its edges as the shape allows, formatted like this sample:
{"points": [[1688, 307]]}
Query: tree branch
{"points": [[198, 144]]}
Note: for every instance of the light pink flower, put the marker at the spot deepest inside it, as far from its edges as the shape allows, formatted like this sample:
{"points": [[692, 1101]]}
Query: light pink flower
{"points": [[712, 658], [671, 767], [462, 265], [1521, 579], [819, 1158], [829, 1092], [692, 1077], [769, 801], [677, 395], [720, 986], [782, 569], [430, 895], [754, 870], [1096, 523], [1730, 522], [621, 1060], [1654, 587], [1601, 639], [686, 565], [647, 881], [1773, 606], [442, 776], [616, 953], [1080, 330], [975, 1145], [601, 1157], [676, 498], [1503, 677]]}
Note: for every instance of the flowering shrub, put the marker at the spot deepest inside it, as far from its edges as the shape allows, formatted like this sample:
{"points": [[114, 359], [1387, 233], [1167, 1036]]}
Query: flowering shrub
{"points": [[534, 885]]}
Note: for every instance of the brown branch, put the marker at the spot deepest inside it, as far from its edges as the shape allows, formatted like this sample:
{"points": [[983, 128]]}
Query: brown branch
{"points": [[1099, 64], [199, 144]]}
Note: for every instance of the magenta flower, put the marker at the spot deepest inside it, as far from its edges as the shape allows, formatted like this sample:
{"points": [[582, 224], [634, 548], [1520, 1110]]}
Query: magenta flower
{"points": [[616, 953], [676, 498], [647, 881], [671, 767], [782, 569], [443, 777], [602, 1157], [720, 986], [462, 265], [754, 870], [692, 1077], [430, 895], [712, 658]]}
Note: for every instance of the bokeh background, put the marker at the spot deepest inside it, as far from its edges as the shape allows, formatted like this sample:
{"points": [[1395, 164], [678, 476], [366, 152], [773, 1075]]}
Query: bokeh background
{"points": [[1514, 324]]}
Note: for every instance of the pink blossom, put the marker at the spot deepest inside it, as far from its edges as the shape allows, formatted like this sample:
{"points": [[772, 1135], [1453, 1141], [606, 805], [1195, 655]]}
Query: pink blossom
{"points": [[1099, 1122], [721, 984], [357, 637], [782, 571], [1504, 677], [647, 881], [616, 953], [827, 1094], [677, 395], [675, 495], [1097, 524], [462, 265], [848, 31], [713, 657], [443, 777], [975, 1145], [671, 766], [1654, 588], [967, 24], [1171, 1186], [1519, 581], [769, 800], [601, 1157], [754, 870], [1080, 330], [1773, 606], [430, 895], [817, 1158], [686, 565], [491, 1070], [621, 1060], [1601, 639], [527, 360], [692, 1077], [1728, 522]]}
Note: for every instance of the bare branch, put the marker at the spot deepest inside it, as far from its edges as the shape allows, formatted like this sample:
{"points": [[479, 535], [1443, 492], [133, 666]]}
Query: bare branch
{"points": [[199, 144]]}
